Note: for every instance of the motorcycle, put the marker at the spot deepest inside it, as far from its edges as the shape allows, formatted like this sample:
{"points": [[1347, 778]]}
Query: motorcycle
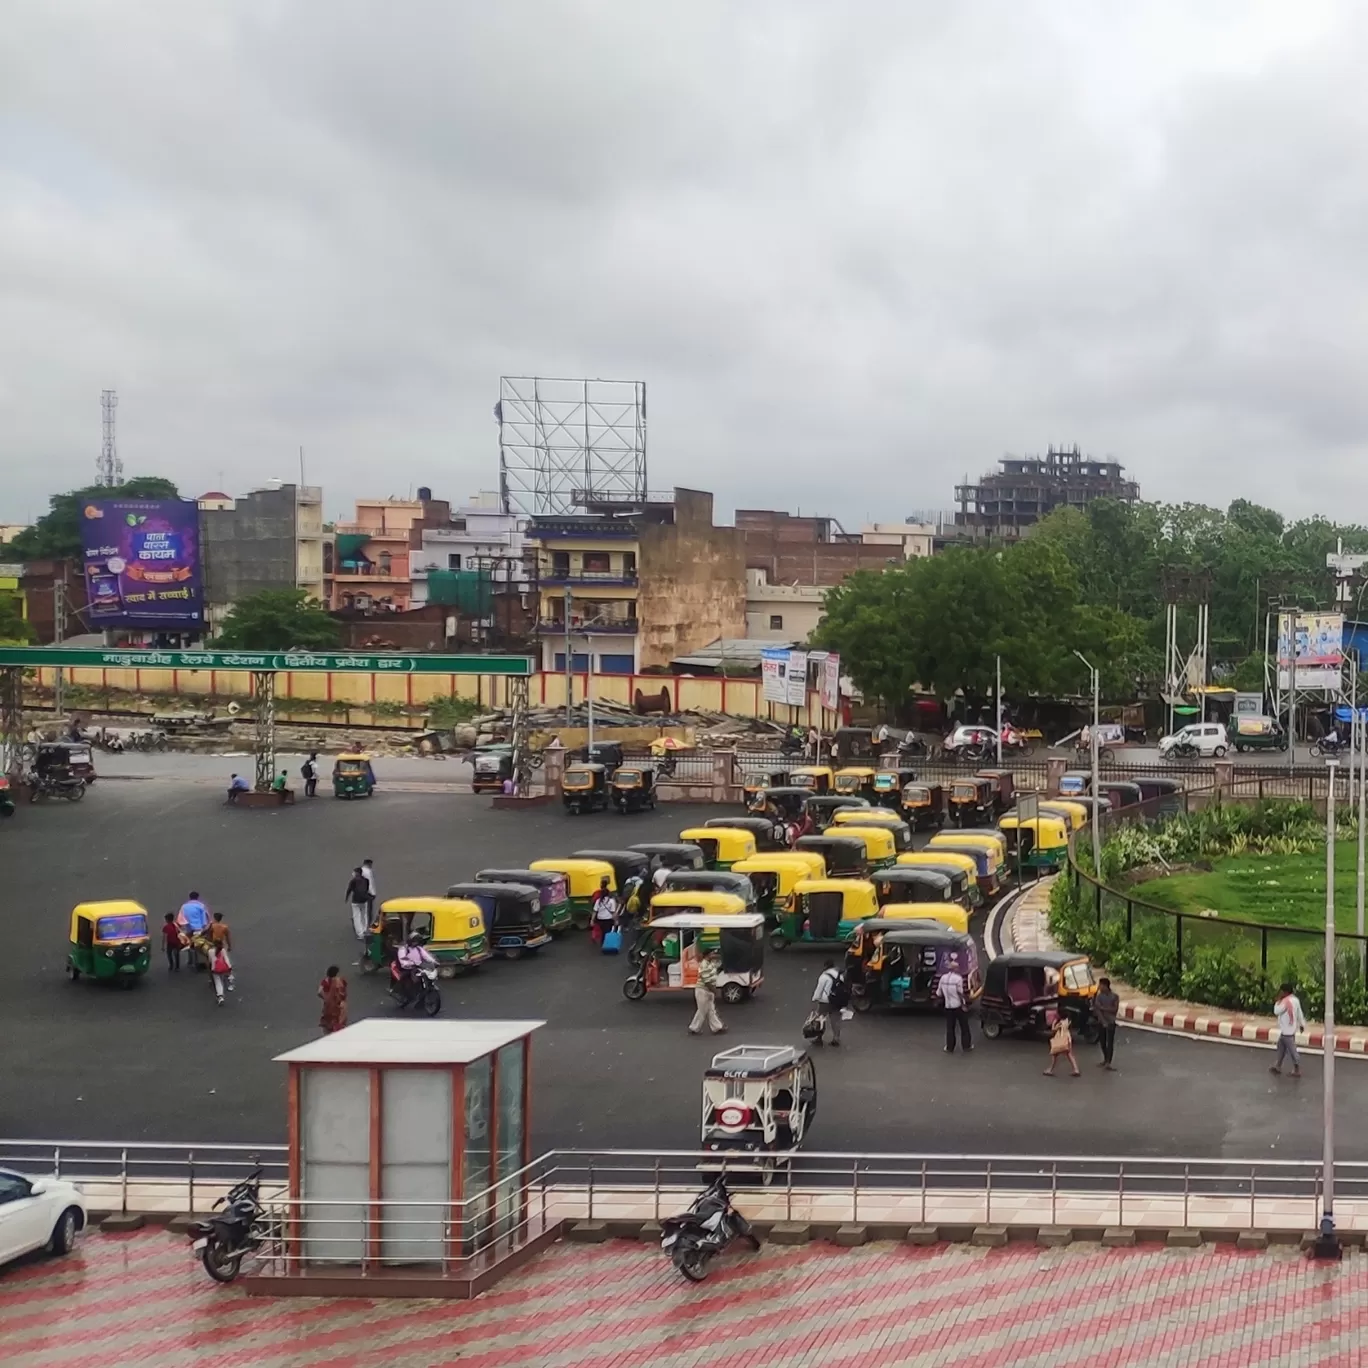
{"points": [[1326, 749], [706, 1229], [71, 787], [237, 1228], [1183, 750], [416, 986]]}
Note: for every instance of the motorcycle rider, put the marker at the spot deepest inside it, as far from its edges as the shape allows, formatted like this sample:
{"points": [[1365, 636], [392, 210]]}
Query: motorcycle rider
{"points": [[413, 955]]}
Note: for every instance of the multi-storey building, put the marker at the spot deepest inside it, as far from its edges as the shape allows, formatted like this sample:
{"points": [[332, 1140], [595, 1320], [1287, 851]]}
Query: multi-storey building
{"points": [[1007, 502]]}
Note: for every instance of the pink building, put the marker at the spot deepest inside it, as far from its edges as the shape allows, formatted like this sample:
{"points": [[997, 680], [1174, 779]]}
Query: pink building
{"points": [[369, 566]]}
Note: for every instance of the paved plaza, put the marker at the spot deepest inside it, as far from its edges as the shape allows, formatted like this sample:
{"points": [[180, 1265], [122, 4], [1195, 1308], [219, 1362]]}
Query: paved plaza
{"points": [[141, 1300]]}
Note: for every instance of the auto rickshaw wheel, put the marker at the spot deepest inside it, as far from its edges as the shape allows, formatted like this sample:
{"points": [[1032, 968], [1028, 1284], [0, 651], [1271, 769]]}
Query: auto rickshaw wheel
{"points": [[368, 965], [634, 989], [778, 941], [861, 1003], [991, 1029], [732, 993], [511, 952], [73, 973], [125, 981]]}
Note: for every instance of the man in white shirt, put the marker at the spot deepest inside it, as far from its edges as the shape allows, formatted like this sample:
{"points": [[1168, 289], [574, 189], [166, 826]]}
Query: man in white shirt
{"points": [[952, 993], [828, 997], [1291, 1019], [658, 878]]}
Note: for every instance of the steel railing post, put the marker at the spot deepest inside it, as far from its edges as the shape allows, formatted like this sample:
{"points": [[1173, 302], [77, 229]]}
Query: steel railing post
{"points": [[1054, 1191], [1121, 1194], [590, 1216], [190, 1183], [656, 1194], [923, 1192], [1187, 1193], [123, 1181], [988, 1193]]}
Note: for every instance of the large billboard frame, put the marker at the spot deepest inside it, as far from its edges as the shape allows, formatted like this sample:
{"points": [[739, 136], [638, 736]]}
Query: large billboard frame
{"points": [[143, 564], [1319, 649]]}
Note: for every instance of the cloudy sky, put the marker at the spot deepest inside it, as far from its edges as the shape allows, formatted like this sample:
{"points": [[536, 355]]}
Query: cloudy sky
{"points": [[856, 251]]}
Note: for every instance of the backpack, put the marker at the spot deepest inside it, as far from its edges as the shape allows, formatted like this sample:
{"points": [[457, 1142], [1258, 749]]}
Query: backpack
{"points": [[839, 995]]}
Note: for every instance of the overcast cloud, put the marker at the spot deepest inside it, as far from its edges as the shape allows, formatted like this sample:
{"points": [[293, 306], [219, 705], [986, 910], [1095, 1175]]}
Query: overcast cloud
{"points": [[856, 251]]}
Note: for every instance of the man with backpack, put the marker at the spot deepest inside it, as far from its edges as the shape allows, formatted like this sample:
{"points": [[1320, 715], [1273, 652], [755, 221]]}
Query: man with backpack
{"points": [[831, 994], [309, 770]]}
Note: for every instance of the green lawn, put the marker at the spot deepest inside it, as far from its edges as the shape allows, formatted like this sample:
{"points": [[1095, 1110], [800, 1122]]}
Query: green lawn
{"points": [[1285, 890]]}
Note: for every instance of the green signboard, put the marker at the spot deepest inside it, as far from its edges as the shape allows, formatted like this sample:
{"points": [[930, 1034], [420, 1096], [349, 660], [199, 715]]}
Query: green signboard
{"points": [[314, 662]]}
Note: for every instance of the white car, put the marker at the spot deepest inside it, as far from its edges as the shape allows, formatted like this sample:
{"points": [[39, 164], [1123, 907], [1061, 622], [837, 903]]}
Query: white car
{"points": [[38, 1213], [1209, 737]]}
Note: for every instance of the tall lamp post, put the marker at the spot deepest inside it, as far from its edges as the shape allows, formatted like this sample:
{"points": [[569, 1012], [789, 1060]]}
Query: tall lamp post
{"points": [[999, 711], [1327, 1246], [1092, 746]]}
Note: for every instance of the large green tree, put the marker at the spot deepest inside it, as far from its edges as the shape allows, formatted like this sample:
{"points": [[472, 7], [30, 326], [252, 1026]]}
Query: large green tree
{"points": [[279, 620], [57, 534], [14, 630]]}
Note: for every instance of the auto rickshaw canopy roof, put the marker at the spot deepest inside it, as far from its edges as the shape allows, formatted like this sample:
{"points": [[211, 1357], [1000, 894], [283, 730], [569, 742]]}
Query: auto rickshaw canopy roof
{"points": [[1076, 813], [919, 931], [967, 863], [354, 758], [772, 861], [582, 876], [866, 817], [453, 919], [947, 913], [878, 841], [857, 895], [1049, 831], [733, 843], [118, 907], [699, 901], [978, 840], [813, 772], [707, 921]]}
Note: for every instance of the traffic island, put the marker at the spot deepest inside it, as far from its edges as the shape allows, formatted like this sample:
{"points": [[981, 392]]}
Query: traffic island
{"points": [[268, 798]]}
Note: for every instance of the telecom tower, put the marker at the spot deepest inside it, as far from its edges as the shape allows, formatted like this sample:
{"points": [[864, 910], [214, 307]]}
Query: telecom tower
{"points": [[109, 467], [566, 443]]}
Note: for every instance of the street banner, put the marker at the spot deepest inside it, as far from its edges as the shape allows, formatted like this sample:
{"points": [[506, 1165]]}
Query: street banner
{"points": [[1319, 651], [831, 682], [773, 669], [1249, 705], [142, 563], [796, 680]]}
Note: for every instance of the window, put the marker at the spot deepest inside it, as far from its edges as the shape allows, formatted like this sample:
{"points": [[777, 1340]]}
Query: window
{"points": [[776, 622], [384, 562], [13, 1188], [453, 562], [560, 562], [629, 564], [597, 562]]}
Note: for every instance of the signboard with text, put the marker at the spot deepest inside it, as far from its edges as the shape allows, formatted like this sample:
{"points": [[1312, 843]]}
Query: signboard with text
{"points": [[142, 563], [795, 682], [1319, 645], [141, 658], [773, 672], [831, 682]]}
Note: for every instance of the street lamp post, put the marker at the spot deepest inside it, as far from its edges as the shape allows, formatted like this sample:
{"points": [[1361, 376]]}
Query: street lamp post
{"points": [[1327, 1246], [1093, 747], [999, 711]]}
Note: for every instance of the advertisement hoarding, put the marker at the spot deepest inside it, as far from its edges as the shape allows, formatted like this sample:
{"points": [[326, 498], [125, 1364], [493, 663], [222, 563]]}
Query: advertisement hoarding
{"points": [[831, 682], [773, 669], [1249, 705], [1319, 650], [142, 563], [796, 680]]}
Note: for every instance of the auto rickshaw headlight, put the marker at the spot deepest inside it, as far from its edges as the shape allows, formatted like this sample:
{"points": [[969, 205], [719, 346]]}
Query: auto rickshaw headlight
{"points": [[109, 954]]}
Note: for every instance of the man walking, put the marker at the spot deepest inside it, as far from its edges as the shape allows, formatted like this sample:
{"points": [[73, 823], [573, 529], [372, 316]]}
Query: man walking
{"points": [[950, 990], [1291, 1019], [1106, 1004], [358, 897], [705, 997], [368, 869], [310, 771], [828, 997]]}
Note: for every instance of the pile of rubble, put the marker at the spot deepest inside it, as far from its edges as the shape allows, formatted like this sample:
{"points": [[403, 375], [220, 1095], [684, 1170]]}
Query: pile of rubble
{"points": [[706, 728]]}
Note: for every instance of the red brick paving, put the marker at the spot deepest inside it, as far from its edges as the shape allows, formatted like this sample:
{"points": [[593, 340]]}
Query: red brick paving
{"points": [[141, 1300]]}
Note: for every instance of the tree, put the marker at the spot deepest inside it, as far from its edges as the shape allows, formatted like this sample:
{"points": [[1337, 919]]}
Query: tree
{"points": [[14, 630], [1249, 674], [279, 620], [57, 534]]}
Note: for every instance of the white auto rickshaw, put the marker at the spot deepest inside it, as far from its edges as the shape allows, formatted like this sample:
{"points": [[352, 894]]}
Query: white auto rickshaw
{"points": [[669, 948], [758, 1104]]}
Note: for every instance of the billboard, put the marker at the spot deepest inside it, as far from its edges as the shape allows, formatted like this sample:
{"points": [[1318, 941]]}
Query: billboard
{"points": [[142, 563], [1319, 650], [796, 681], [773, 669], [831, 682]]}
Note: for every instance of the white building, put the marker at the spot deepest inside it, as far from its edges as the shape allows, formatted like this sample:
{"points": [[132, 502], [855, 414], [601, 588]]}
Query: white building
{"points": [[781, 612], [481, 536], [914, 539]]}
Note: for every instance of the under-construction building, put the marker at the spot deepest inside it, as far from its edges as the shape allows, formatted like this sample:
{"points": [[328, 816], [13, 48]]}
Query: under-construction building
{"points": [[1005, 504]]}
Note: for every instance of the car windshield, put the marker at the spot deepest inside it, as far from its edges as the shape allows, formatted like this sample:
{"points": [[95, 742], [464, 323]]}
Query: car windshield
{"points": [[124, 927]]}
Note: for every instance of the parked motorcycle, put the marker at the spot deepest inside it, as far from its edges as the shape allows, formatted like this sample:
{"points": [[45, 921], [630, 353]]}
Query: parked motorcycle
{"points": [[71, 787], [706, 1229], [237, 1228], [416, 987]]}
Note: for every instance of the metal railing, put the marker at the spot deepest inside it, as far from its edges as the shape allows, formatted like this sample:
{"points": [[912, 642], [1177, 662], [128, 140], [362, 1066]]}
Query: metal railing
{"points": [[820, 1187]]}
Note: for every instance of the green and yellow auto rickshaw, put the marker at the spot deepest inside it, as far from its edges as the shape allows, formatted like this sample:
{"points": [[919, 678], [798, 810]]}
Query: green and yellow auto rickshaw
{"points": [[881, 850], [774, 876], [550, 886], [963, 870], [989, 854], [452, 929], [722, 846], [1036, 842], [824, 912], [352, 776], [583, 878], [856, 781], [873, 817], [109, 940]]}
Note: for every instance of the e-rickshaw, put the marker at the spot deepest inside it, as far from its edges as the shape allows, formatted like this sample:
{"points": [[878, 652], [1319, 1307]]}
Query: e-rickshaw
{"points": [[583, 878], [823, 807], [892, 963], [633, 788], [904, 884], [773, 877], [845, 857], [1022, 991], [988, 852], [1037, 842], [923, 805], [823, 912], [668, 951], [1247, 732], [109, 940], [69, 759], [961, 869], [889, 785], [881, 850], [353, 776], [786, 802], [762, 828], [584, 788], [814, 778], [453, 932], [949, 914], [671, 855], [551, 890], [1004, 788], [721, 846], [758, 1100], [708, 881], [512, 915], [873, 817], [856, 781], [971, 801], [491, 767]]}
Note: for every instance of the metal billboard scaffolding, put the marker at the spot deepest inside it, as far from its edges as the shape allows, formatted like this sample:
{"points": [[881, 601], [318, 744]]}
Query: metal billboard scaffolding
{"points": [[565, 443]]}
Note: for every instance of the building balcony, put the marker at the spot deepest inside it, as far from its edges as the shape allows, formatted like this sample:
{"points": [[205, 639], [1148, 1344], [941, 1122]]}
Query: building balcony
{"points": [[373, 533], [625, 579], [552, 627], [369, 573]]}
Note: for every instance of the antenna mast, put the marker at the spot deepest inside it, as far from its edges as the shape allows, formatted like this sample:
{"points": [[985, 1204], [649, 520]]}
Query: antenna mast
{"points": [[109, 467]]}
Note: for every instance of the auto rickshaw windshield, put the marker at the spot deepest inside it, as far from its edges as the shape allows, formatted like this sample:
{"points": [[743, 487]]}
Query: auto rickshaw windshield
{"points": [[128, 926]]}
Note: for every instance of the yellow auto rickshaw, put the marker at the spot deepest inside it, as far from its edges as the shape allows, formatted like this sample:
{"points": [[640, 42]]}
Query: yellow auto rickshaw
{"points": [[881, 850], [352, 775], [824, 912], [774, 874], [966, 866], [947, 913], [1036, 842], [870, 817], [816, 778], [722, 846], [583, 878], [109, 940], [1076, 814], [856, 781], [988, 852], [452, 929]]}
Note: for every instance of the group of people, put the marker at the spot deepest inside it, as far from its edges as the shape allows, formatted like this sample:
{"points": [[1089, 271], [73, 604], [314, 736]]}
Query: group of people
{"points": [[238, 785], [208, 939]]}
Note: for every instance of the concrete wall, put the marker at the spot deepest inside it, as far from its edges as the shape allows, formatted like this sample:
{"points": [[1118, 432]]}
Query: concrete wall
{"points": [[692, 581], [796, 550], [249, 547]]}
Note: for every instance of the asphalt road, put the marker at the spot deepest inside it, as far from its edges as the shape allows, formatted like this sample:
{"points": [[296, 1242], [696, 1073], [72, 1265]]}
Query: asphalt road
{"points": [[161, 1062]]}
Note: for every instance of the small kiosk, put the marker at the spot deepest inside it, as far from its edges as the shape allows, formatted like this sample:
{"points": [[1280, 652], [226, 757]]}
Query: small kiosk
{"points": [[403, 1139]]}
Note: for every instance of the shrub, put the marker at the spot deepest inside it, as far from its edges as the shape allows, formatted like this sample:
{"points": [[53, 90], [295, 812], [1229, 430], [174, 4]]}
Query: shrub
{"points": [[1215, 975]]}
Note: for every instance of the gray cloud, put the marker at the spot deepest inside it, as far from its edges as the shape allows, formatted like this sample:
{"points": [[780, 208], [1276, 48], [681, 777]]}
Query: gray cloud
{"points": [[855, 251]]}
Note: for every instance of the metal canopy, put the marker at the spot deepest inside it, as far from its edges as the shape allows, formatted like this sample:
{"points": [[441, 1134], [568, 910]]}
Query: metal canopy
{"points": [[309, 662]]}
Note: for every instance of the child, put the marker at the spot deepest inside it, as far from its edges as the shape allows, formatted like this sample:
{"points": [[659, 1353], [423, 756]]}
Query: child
{"points": [[1061, 1043], [172, 941], [220, 968]]}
